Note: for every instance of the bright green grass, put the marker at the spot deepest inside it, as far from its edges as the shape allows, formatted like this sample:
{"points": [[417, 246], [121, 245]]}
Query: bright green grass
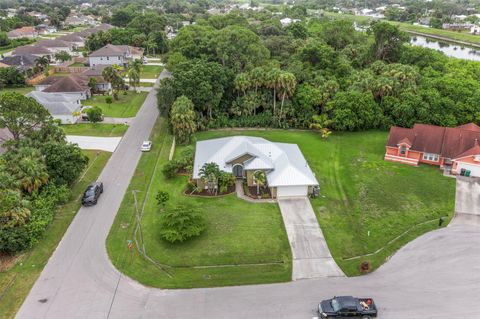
{"points": [[97, 129], [361, 192], [16, 283], [22, 90], [77, 64], [151, 71], [126, 106], [237, 232]]}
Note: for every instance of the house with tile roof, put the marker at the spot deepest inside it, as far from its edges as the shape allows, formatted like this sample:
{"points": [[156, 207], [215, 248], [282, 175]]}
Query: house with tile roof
{"points": [[455, 149], [97, 73], [62, 107], [75, 40], [114, 54], [23, 32], [287, 172]]}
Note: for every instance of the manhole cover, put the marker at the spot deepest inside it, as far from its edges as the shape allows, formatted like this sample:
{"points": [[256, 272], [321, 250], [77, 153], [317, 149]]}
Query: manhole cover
{"points": [[43, 300]]}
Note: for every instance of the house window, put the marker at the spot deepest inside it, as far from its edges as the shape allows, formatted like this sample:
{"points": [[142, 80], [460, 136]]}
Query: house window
{"points": [[403, 150], [108, 58], [118, 58], [101, 59], [430, 157]]}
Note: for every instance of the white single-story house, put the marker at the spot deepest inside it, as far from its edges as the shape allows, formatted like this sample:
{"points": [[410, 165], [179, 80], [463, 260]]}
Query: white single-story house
{"points": [[287, 172], [61, 107]]}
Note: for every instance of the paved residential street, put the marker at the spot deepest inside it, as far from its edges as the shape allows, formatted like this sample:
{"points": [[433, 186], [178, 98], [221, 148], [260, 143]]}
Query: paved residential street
{"points": [[435, 276], [108, 144], [311, 257]]}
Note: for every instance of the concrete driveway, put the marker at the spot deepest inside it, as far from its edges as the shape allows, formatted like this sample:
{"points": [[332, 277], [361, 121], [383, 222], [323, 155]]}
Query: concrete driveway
{"points": [[467, 196], [108, 144], [311, 256]]}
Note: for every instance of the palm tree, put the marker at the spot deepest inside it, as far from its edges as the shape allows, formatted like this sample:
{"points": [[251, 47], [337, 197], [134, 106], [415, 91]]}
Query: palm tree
{"points": [[286, 84], [42, 63], [271, 82], [257, 77], [242, 83], [113, 74], [260, 180], [30, 169], [210, 173], [133, 77], [13, 210]]}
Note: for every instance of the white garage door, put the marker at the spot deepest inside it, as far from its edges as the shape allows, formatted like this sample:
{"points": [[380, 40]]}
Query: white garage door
{"points": [[474, 169], [290, 191]]}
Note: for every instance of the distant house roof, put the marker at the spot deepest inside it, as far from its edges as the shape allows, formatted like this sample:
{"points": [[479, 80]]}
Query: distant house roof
{"points": [[96, 70], [111, 50], [49, 80], [284, 163], [24, 31], [71, 38], [24, 61], [449, 142], [71, 83], [55, 103], [53, 43], [30, 49]]}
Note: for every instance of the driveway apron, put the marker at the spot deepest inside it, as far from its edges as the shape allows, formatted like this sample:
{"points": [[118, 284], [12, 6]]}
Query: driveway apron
{"points": [[311, 257]]}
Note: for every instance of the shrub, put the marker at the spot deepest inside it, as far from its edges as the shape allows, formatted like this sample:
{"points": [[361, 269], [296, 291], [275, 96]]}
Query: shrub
{"points": [[95, 114], [108, 100], [162, 198], [181, 223], [170, 169], [185, 160], [225, 180]]}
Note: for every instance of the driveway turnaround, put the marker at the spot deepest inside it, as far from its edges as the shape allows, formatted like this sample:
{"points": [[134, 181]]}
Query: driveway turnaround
{"points": [[311, 257], [435, 276], [108, 144]]}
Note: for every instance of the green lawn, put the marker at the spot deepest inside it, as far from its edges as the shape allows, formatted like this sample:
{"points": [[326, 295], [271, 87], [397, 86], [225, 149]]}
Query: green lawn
{"points": [[22, 90], [77, 64], [151, 71], [360, 192], [98, 129], [127, 105], [238, 233], [16, 282]]}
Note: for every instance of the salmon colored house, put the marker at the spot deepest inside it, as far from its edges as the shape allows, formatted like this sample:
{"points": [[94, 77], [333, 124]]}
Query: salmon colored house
{"points": [[455, 149]]}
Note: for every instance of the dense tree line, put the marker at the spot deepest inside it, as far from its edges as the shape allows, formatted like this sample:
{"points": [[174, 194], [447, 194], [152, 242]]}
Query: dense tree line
{"points": [[320, 74], [35, 171]]}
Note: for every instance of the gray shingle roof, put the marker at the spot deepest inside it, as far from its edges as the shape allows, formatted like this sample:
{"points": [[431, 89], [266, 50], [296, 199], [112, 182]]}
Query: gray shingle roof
{"points": [[111, 50], [55, 103]]}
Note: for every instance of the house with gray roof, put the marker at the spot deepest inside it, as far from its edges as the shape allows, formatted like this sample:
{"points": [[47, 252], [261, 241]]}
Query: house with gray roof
{"points": [[75, 40], [114, 54], [62, 107], [287, 172], [33, 50], [73, 85], [55, 45], [21, 62], [97, 73]]}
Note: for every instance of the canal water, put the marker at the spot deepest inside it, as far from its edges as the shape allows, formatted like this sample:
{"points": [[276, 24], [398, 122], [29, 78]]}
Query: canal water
{"points": [[448, 48]]}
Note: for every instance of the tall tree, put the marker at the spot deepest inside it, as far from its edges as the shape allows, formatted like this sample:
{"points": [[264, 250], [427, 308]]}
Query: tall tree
{"points": [[388, 41], [113, 74], [30, 169], [183, 120], [21, 115]]}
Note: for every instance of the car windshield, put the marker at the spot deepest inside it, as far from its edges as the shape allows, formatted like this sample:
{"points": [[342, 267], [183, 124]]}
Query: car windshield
{"points": [[335, 305], [146, 143], [90, 191]]}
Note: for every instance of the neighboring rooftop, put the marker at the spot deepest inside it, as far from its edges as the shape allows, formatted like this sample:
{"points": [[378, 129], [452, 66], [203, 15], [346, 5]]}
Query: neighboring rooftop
{"points": [[111, 50], [449, 142], [30, 49], [21, 61], [71, 83], [55, 103]]}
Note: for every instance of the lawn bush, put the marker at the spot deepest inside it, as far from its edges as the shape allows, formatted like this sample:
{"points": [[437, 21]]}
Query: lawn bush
{"points": [[170, 169], [181, 223]]}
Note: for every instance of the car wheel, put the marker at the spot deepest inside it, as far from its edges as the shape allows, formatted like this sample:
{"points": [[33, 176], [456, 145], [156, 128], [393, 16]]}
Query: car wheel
{"points": [[95, 202]]}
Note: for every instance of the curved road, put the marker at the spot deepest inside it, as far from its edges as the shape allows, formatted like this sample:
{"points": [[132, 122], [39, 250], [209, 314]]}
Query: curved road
{"points": [[435, 276]]}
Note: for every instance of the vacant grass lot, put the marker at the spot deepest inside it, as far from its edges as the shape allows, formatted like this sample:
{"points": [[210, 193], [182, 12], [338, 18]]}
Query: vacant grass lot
{"points": [[97, 129], [362, 193], [238, 233], [16, 282], [151, 71], [126, 105]]}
